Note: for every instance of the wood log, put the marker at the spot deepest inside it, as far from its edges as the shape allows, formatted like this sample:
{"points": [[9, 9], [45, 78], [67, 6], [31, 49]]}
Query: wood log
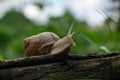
{"points": [[62, 67]]}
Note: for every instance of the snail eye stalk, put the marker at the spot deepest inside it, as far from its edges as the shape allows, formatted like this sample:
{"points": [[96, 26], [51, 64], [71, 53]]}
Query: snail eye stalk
{"points": [[70, 29]]}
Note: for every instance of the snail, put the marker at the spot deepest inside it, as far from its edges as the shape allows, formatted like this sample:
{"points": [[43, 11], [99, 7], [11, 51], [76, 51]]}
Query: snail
{"points": [[48, 43]]}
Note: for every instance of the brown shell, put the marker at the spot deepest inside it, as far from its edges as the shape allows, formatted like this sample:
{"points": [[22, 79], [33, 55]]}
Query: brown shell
{"points": [[40, 44]]}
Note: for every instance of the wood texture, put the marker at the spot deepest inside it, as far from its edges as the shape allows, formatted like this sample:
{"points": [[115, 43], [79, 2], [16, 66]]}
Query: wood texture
{"points": [[58, 67]]}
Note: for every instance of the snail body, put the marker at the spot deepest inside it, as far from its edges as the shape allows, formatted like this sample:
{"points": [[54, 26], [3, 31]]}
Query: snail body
{"points": [[60, 46], [48, 43]]}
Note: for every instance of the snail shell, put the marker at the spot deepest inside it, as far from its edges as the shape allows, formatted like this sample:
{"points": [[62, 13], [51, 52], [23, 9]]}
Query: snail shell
{"points": [[48, 43], [40, 44]]}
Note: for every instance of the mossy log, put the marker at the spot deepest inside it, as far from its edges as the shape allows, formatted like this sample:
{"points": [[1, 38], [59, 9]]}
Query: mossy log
{"points": [[59, 67]]}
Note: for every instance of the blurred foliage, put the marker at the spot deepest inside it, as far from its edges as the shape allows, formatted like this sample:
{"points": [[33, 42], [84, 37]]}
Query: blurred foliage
{"points": [[14, 28], [116, 9]]}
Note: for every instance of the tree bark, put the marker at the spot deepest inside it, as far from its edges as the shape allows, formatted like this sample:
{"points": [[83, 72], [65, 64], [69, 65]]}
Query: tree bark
{"points": [[59, 67]]}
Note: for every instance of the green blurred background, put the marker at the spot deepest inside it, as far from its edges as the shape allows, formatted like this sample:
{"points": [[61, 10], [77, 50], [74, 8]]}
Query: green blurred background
{"points": [[15, 27]]}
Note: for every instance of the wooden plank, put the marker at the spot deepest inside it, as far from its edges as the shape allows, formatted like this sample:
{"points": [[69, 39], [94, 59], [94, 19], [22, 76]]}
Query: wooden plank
{"points": [[58, 67]]}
